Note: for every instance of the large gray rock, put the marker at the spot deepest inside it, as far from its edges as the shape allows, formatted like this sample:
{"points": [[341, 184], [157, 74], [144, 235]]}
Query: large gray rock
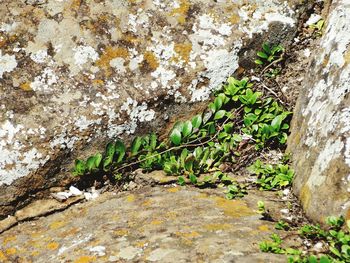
{"points": [[75, 74], [320, 139]]}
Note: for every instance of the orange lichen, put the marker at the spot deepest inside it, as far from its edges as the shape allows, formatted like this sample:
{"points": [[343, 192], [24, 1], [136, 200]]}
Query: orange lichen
{"points": [[121, 232], [156, 222], [10, 251], [130, 198], [75, 4], [151, 60], [57, 224], [9, 239], [192, 234], [234, 19], [85, 259], [2, 256], [217, 227], [53, 245], [181, 12], [264, 228], [26, 86], [183, 51], [173, 189], [234, 208], [109, 54], [98, 82]]}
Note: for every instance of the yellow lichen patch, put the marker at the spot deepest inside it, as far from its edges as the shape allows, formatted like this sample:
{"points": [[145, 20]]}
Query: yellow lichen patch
{"points": [[183, 51], [35, 253], [121, 232], [2, 256], [151, 60], [10, 251], [85, 259], [141, 244], [171, 215], [234, 19], [75, 4], [181, 12], [202, 196], [26, 86], [98, 82], [156, 222], [305, 195], [347, 57], [9, 239], [53, 245], [130, 38], [217, 227], [233, 208], [70, 232], [130, 198], [57, 224], [147, 203], [173, 189], [192, 234], [264, 228], [109, 54]]}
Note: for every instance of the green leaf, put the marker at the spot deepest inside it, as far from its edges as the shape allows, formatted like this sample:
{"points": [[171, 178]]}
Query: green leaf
{"points": [[175, 137], [153, 141], [79, 168], [189, 163], [262, 55], [219, 115], [266, 48], [259, 62], [197, 121], [107, 161], [98, 159], [120, 149], [91, 163], [193, 179], [276, 122], [135, 146], [187, 128], [181, 181], [218, 103], [110, 149]]}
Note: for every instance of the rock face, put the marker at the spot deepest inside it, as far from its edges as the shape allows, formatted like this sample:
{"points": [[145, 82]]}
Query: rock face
{"points": [[320, 140], [75, 74], [160, 224]]}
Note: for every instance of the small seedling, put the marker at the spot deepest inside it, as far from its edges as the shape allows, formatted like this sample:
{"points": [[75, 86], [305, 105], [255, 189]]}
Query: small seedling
{"points": [[269, 54]]}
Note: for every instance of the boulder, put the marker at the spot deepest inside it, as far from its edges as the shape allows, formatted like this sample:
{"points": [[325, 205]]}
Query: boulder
{"points": [[75, 74], [320, 138]]}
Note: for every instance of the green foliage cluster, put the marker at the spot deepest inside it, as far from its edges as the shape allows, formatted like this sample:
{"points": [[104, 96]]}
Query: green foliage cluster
{"points": [[336, 240], [318, 27], [272, 177], [238, 114], [269, 53]]}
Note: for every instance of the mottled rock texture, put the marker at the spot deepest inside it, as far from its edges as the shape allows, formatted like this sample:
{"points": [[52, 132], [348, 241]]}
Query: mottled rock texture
{"points": [[160, 224], [320, 140], [75, 74]]}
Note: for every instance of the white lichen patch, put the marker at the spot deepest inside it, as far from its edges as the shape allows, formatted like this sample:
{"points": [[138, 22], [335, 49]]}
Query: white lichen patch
{"points": [[39, 56], [83, 54], [7, 63], [44, 82]]}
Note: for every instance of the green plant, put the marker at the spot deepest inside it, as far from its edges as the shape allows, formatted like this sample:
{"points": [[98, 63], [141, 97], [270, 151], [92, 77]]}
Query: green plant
{"points": [[272, 177], [318, 27], [335, 240], [282, 225], [269, 53]]}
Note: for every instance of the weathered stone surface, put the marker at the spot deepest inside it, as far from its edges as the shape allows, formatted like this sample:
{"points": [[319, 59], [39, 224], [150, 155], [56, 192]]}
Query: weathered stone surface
{"points": [[74, 74], [160, 224], [320, 139], [7, 223]]}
